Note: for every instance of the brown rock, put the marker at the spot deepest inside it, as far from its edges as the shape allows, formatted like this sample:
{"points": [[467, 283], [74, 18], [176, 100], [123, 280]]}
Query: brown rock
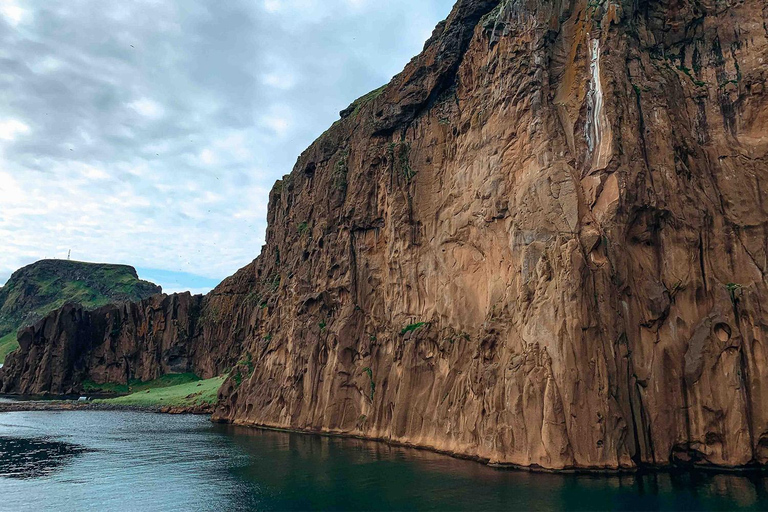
{"points": [[544, 243]]}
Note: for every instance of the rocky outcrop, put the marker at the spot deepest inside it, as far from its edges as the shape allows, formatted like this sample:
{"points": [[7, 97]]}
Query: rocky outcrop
{"points": [[544, 243], [113, 344], [35, 290], [137, 341]]}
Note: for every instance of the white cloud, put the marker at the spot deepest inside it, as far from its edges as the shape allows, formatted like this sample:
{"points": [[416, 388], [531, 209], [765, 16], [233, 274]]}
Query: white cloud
{"points": [[11, 11], [90, 172], [10, 191], [278, 120], [279, 81], [272, 5], [47, 64], [147, 108], [279, 125], [10, 128], [150, 132], [208, 157], [235, 146]]}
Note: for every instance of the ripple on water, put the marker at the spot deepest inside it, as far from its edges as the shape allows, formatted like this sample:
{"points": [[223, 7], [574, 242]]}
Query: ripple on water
{"points": [[148, 462], [27, 458]]}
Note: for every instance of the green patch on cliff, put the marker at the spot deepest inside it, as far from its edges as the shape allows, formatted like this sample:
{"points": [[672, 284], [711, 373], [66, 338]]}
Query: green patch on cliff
{"points": [[359, 103], [373, 384], [341, 171], [244, 368], [35, 290], [170, 380], [413, 327], [8, 344], [188, 394], [400, 160]]}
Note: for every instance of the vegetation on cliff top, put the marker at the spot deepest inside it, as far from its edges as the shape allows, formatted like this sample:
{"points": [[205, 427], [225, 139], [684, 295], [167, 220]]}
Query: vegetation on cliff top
{"points": [[188, 394], [34, 291], [359, 103]]}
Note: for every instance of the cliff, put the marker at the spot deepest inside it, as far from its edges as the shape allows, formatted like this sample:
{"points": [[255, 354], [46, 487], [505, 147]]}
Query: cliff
{"points": [[35, 290], [544, 243]]}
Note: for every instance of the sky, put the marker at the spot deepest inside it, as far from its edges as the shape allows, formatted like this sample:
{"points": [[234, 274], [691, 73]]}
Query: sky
{"points": [[149, 132]]}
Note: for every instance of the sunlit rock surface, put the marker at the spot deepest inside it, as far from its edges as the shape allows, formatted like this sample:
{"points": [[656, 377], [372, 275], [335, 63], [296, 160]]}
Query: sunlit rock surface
{"points": [[543, 244]]}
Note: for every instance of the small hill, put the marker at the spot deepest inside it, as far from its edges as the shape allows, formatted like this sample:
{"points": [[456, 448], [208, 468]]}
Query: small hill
{"points": [[35, 290]]}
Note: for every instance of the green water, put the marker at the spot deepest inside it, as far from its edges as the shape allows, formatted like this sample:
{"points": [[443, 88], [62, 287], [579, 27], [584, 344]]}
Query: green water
{"points": [[120, 461]]}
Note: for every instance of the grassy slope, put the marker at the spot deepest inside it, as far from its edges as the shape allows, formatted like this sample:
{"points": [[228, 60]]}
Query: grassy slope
{"points": [[45, 286], [181, 395], [8, 344], [165, 381]]}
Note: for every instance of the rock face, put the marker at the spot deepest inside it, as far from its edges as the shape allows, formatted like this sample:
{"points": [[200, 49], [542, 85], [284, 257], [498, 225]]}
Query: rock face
{"points": [[544, 243], [35, 290], [142, 340], [113, 344]]}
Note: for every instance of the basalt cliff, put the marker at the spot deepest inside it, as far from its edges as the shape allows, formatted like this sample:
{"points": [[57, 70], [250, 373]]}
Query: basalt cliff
{"points": [[36, 290], [544, 243]]}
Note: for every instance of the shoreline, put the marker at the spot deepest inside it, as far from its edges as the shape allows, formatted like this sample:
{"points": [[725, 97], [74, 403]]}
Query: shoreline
{"points": [[571, 470], [72, 406], [207, 410]]}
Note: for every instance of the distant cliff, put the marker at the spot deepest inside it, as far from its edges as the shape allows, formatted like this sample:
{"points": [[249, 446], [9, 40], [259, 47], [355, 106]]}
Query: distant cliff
{"points": [[544, 243], [35, 290]]}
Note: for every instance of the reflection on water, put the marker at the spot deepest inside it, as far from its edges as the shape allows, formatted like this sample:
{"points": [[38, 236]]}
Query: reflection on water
{"points": [[34, 458], [299, 472], [121, 461]]}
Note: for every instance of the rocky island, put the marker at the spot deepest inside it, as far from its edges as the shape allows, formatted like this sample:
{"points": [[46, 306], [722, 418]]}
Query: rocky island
{"points": [[543, 244]]}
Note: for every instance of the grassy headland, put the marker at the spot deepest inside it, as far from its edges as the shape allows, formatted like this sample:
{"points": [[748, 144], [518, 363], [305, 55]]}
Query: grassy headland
{"points": [[136, 386], [35, 290], [186, 394]]}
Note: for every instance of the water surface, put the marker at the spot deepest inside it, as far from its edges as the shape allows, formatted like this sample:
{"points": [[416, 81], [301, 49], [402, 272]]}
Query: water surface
{"points": [[123, 461]]}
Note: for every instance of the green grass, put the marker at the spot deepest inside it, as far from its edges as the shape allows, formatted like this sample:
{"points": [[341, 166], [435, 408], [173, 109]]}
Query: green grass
{"points": [[34, 291], [341, 170], [181, 395], [165, 381], [359, 103], [373, 384], [413, 327], [733, 289], [7, 345]]}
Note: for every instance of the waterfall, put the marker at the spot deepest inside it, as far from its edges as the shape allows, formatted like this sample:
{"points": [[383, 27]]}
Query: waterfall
{"points": [[594, 129]]}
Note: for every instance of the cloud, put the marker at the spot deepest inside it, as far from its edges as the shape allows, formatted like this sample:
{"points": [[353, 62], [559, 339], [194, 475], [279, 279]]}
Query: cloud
{"points": [[12, 12], [147, 108], [10, 128], [150, 132]]}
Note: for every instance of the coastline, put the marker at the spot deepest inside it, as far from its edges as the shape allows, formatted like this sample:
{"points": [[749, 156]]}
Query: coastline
{"points": [[579, 470], [208, 409], [69, 405]]}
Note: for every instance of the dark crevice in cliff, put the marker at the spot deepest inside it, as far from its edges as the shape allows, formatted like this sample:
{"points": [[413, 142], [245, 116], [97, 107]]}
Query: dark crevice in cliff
{"points": [[702, 266], [687, 415], [744, 377], [641, 128], [637, 456]]}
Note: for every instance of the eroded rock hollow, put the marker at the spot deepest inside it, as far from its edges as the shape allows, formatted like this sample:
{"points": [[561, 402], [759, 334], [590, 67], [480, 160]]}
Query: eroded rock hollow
{"points": [[544, 243]]}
